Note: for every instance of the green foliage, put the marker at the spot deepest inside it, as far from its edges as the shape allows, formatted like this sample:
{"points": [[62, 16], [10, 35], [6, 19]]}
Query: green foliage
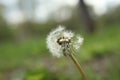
{"points": [[114, 69], [17, 53], [42, 74], [5, 31], [100, 44]]}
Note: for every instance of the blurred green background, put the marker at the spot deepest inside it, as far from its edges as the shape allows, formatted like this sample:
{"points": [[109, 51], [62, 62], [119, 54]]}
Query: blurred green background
{"points": [[25, 24]]}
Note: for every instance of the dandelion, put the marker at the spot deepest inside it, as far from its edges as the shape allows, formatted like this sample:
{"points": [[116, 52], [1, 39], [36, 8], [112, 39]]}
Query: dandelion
{"points": [[64, 42]]}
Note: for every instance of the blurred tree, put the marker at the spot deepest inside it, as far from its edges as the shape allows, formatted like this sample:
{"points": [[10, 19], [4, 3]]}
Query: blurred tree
{"points": [[27, 7], [88, 20], [5, 31], [28, 27], [112, 17]]}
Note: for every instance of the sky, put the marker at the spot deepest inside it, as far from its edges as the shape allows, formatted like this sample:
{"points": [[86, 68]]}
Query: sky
{"points": [[45, 7], [101, 6]]}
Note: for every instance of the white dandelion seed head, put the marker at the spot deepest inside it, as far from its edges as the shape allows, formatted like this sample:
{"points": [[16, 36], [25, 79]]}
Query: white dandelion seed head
{"points": [[78, 42], [57, 33]]}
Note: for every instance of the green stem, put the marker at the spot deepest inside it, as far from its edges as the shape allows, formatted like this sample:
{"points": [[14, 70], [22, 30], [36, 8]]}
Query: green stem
{"points": [[78, 66]]}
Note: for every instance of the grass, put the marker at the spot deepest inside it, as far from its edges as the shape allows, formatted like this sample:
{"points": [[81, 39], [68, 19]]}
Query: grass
{"points": [[12, 54], [102, 43]]}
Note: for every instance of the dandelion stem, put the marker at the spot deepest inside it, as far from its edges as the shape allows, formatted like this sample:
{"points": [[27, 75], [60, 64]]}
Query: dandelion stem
{"points": [[78, 66]]}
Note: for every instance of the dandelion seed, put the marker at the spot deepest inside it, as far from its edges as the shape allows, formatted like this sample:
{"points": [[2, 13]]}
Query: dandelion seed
{"points": [[59, 34], [78, 42]]}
